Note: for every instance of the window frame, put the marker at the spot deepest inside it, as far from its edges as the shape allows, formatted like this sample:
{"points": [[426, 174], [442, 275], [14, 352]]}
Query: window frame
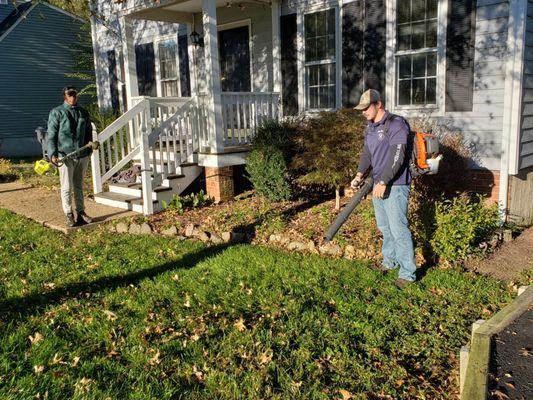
{"points": [[303, 89], [159, 78], [392, 61]]}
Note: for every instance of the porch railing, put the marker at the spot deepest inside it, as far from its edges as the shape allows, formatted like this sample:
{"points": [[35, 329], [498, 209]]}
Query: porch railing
{"points": [[243, 113]]}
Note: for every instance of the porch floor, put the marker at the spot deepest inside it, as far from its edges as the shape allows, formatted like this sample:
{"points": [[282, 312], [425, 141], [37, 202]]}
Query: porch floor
{"points": [[44, 206]]}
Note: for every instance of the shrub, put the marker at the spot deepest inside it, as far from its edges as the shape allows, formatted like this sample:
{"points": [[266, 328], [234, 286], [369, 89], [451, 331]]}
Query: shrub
{"points": [[5, 167], [266, 164], [328, 149], [450, 182], [461, 224], [102, 118], [267, 169]]}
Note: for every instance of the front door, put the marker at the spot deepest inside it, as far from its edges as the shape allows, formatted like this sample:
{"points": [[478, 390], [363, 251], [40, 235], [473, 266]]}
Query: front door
{"points": [[234, 53]]}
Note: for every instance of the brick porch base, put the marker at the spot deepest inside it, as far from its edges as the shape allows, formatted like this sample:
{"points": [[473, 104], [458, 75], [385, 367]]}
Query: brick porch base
{"points": [[485, 182], [219, 183]]}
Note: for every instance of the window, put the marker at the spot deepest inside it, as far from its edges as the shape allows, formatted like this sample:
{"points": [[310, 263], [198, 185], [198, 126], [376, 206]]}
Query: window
{"points": [[320, 65], [416, 52], [168, 68]]}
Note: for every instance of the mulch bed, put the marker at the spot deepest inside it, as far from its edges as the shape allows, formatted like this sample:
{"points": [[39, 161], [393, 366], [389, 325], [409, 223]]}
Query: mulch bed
{"points": [[512, 361]]}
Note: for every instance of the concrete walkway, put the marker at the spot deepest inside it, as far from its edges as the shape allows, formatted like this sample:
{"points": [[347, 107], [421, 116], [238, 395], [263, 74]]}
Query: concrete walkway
{"points": [[44, 206]]}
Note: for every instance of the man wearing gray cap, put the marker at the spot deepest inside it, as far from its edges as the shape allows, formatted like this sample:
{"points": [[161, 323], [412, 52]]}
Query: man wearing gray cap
{"points": [[69, 129], [385, 152]]}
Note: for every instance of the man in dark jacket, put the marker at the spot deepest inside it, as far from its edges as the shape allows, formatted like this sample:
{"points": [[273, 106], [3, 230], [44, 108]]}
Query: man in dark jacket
{"points": [[69, 129], [386, 153]]}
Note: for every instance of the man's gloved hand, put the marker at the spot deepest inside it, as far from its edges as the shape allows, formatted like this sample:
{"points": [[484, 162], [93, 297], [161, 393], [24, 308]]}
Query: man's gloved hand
{"points": [[356, 181]]}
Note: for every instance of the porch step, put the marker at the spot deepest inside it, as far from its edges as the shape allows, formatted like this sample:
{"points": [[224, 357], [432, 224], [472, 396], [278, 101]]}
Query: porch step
{"points": [[135, 189], [124, 201]]}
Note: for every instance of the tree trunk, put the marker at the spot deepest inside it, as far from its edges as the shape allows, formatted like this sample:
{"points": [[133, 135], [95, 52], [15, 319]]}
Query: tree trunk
{"points": [[337, 199]]}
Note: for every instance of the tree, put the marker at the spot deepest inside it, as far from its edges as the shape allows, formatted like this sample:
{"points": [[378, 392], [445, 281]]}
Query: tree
{"points": [[328, 149]]}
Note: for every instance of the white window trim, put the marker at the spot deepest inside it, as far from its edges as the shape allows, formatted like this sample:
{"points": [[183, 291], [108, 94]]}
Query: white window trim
{"points": [[159, 83], [238, 24], [391, 65], [300, 40]]}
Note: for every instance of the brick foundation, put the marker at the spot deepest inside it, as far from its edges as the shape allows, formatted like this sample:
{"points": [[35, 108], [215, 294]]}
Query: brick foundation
{"points": [[219, 183], [485, 182]]}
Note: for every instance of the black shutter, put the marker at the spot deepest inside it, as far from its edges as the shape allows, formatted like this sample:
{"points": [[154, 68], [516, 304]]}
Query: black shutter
{"points": [[352, 53], [460, 50], [289, 68], [183, 56], [113, 79], [145, 63], [374, 46]]}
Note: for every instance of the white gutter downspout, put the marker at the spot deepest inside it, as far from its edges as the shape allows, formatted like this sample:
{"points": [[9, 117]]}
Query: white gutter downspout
{"points": [[512, 99]]}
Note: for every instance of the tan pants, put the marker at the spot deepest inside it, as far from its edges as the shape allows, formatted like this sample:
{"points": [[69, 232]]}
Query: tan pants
{"points": [[71, 175]]}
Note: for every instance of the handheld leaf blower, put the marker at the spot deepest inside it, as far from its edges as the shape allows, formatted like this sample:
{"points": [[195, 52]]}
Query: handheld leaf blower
{"points": [[42, 166], [363, 189]]}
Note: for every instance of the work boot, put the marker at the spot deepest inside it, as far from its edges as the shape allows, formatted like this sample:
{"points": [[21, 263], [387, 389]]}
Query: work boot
{"points": [[83, 218], [401, 283], [70, 222]]}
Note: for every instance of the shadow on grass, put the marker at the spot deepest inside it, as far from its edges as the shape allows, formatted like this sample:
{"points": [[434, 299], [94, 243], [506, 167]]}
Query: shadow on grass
{"points": [[18, 308]]}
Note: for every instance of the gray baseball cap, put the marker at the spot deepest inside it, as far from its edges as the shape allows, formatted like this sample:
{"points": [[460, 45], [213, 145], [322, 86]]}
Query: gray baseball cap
{"points": [[367, 98]]}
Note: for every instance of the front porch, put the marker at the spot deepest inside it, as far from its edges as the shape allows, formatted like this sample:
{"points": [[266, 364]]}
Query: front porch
{"points": [[174, 137]]}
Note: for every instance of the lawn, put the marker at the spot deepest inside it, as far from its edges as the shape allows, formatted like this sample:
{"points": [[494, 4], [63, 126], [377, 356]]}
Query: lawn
{"points": [[98, 315]]}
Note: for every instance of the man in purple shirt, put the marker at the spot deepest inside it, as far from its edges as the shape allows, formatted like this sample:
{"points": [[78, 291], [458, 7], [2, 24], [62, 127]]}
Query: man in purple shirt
{"points": [[385, 152]]}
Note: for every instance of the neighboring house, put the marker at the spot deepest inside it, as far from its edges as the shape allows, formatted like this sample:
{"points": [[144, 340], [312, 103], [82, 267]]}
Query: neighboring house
{"points": [[227, 62], [35, 55]]}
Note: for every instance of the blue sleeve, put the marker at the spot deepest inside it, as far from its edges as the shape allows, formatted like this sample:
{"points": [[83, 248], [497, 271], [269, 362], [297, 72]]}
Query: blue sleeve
{"points": [[365, 160], [52, 133], [398, 132]]}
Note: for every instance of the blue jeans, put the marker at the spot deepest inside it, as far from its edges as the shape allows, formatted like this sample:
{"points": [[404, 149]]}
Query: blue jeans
{"points": [[391, 218]]}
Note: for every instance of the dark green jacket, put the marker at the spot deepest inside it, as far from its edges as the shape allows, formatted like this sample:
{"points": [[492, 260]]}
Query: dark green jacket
{"points": [[69, 128]]}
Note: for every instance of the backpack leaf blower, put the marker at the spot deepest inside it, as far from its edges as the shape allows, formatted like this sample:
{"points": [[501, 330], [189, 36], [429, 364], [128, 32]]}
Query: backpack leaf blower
{"points": [[43, 166]]}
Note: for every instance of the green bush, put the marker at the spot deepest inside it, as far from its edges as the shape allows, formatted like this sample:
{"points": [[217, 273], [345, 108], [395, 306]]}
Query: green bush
{"points": [[461, 224], [102, 118], [267, 169], [267, 163]]}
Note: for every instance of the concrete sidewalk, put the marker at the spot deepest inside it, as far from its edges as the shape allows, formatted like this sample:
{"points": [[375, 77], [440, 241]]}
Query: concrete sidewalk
{"points": [[44, 206]]}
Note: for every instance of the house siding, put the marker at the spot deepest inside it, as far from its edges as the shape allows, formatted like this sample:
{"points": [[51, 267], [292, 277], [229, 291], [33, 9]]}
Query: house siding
{"points": [[526, 133], [35, 58]]}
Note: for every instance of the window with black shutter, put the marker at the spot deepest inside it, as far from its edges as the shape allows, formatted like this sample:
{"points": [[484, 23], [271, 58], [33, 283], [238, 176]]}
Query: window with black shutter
{"points": [[145, 64], [460, 51], [289, 66], [183, 55], [113, 80]]}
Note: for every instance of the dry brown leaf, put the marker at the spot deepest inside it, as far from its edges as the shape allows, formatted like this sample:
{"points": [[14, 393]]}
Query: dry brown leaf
{"points": [[345, 395], [198, 373], [155, 359], [239, 324], [57, 360], [187, 302], [75, 361], [38, 369], [500, 395], [36, 338], [265, 357], [50, 285], [110, 315]]}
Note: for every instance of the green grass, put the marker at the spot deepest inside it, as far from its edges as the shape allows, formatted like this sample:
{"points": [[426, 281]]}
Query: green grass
{"points": [[131, 317]]}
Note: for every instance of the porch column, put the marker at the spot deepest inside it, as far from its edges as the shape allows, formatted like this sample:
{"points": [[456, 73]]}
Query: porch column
{"points": [[130, 68], [276, 49], [212, 76]]}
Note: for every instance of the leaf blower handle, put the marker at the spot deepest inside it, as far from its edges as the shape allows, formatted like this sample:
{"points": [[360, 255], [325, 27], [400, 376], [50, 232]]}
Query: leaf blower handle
{"points": [[58, 162]]}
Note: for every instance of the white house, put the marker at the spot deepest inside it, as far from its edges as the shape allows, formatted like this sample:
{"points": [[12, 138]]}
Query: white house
{"points": [[195, 77]]}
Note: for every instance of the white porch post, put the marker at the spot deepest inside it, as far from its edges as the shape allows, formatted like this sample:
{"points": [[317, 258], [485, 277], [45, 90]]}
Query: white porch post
{"points": [[212, 76], [128, 49], [276, 59]]}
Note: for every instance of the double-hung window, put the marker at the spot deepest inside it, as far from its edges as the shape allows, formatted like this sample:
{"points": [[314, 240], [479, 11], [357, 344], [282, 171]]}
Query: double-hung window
{"points": [[416, 52], [168, 68], [320, 65]]}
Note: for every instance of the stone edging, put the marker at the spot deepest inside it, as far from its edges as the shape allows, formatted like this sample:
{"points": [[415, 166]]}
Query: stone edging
{"points": [[193, 231], [476, 357]]}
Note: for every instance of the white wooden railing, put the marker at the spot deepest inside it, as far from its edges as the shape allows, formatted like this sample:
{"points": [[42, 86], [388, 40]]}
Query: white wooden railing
{"points": [[243, 113], [166, 132]]}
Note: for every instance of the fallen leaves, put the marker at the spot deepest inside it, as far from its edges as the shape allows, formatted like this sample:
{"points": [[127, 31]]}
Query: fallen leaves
{"points": [[155, 360], [239, 324], [36, 338], [110, 315], [38, 369], [345, 395]]}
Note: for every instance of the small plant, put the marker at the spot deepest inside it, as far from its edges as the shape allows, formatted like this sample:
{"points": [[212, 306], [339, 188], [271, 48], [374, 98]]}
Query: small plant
{"points": [[461, 224], [188, 202], [5, 166]]}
